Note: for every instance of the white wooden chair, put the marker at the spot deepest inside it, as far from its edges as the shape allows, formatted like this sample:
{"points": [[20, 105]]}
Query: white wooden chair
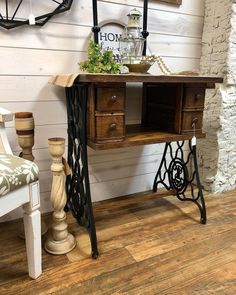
{"points": [[19, 186]]}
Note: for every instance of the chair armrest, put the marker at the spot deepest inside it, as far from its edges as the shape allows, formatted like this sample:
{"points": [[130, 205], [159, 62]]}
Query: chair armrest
{"points": [[5, 115]]}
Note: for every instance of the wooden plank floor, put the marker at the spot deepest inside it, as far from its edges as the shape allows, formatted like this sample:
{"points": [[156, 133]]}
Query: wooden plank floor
{"points": [[148, 245]]}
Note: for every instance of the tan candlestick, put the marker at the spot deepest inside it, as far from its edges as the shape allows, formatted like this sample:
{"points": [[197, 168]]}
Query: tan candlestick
{"points": [[24, 124], [60, 241]]}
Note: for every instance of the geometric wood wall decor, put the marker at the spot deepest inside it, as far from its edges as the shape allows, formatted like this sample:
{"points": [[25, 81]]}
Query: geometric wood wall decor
{"points": [[24, 12]]}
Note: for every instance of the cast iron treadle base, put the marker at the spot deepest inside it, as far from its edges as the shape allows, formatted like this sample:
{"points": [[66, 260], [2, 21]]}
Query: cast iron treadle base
{"points": [[173, 174], [77, 184]]}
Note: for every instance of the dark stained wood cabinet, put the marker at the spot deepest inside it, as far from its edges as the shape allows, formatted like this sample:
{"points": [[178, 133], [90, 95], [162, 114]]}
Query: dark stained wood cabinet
{"points": [[106, 112], [192, 108], [172, 109]]}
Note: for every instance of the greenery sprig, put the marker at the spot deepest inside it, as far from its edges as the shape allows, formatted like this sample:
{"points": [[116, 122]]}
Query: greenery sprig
{"points": [[99, 61]]}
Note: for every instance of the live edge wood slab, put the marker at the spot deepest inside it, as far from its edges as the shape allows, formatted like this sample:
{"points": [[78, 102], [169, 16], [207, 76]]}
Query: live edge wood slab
{"points": [[172, 107]]}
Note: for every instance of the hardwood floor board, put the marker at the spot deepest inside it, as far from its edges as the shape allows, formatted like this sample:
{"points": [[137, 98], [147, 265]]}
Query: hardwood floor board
{"points": [[50, 261], [219, 281], [152, 228], [16, 270], [160, 273], [15, 260], [10, 229], [173, 239], [147, 244], [188, 267], [83, 249], [182, 280], [157, 209], [15, 247], [116, 237], [113, 236], [127, 203], [152, 204], [54, 279], [214, 206], [116, 218]]}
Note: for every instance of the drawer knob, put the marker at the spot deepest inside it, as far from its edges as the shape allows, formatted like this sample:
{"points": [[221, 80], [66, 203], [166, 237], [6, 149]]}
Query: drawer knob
{"points": [[113, 98], [113, 126], [198, 96]]}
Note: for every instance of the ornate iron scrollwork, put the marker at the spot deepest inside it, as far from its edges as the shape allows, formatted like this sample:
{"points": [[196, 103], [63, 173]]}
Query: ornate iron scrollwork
{"points": [[178, 171], [178, 175], [77, 184]]}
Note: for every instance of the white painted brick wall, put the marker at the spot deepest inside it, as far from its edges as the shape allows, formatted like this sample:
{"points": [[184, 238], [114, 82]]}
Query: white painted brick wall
{"points": [[218, 151]]}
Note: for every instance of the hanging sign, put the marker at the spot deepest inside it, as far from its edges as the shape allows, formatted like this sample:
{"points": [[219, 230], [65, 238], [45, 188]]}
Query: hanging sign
{"points": [[109, 35]]}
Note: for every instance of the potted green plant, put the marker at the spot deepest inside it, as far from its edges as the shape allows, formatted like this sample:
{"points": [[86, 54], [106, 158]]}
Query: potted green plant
{"points": [[99, 61]]}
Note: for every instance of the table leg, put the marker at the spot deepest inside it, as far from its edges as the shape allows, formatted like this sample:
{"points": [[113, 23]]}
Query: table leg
{"points": [[77, 184], [178, 171]]}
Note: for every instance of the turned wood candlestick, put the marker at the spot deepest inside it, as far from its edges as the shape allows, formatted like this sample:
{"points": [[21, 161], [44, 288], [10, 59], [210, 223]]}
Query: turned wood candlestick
{"points": [[24, 124], [60, 241]]}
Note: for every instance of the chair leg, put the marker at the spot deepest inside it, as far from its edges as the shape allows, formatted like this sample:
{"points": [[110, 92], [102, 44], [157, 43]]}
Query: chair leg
{"points": [[32, 225]]}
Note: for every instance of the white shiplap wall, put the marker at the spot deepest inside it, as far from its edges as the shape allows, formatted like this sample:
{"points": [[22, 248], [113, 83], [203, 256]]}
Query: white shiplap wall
{"points": [[30, 55]]}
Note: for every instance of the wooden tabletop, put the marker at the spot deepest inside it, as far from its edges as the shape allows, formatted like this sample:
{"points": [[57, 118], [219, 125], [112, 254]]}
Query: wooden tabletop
{"points": [[147, 78], [67, 80]]}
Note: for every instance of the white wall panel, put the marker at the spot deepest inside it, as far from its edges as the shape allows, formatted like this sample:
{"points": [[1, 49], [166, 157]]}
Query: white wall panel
{"points": [[159, 19], [53, 38], [28, 89], [44, 62], [27, 61], [45, 112], [119, 187], [188, 7]]}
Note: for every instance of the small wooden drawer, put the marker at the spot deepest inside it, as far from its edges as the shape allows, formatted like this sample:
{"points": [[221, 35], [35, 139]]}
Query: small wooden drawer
{"points": [[110, 99], [194, 98], [188, 119], [110, 127]]}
